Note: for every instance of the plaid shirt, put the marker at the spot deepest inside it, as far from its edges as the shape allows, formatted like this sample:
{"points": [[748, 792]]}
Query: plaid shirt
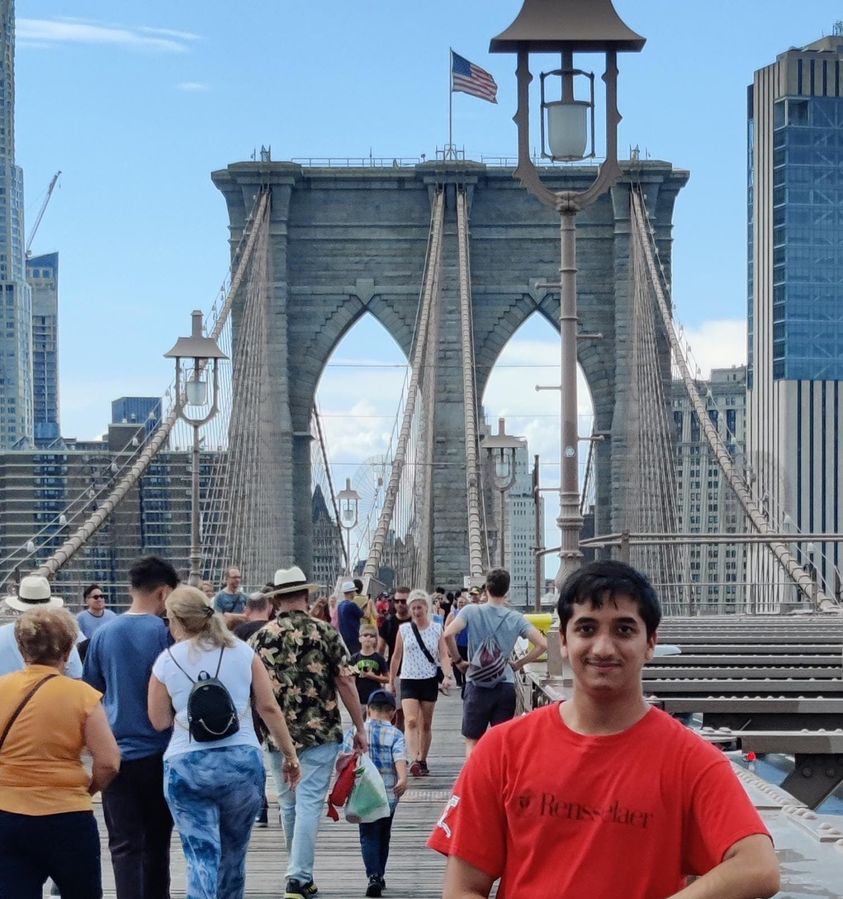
{"points": [[386, 747]]}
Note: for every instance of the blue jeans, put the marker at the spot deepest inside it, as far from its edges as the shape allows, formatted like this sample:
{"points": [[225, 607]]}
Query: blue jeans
{"points": [[65, 847], [214, 795], [302, 808], [374, 844]]}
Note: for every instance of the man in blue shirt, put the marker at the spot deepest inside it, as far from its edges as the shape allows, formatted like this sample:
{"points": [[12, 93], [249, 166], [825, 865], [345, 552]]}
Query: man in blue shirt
{"points": [[34, 593], [119, 663], [230, 599], [349, 616], [96, 615]]}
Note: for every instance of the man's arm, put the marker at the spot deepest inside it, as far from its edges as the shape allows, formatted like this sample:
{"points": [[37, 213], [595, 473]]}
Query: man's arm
{"points": [[348, 694], [464, 881], [456, 625], [537, 638], [92, 670], [749, 870]]}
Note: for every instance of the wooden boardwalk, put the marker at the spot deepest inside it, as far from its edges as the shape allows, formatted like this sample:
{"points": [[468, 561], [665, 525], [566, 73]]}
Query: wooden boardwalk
{"points": [[414, 872]]}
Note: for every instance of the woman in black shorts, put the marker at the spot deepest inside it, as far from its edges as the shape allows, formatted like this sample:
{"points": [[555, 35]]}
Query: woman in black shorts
{"points": [[419, 650]]}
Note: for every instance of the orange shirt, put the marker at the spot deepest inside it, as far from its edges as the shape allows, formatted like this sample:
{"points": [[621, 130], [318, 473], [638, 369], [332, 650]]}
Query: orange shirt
{"points": [[41, 771]]}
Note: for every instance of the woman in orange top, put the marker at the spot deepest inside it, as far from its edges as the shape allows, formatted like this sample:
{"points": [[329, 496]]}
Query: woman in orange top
{"points": [[47, 826]]}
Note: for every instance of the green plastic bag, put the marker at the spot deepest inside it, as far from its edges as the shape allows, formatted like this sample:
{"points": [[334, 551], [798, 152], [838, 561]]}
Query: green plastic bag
{"points": [[368, 800]]}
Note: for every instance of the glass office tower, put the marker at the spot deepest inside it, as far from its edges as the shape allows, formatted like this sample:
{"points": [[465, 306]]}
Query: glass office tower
{"points": [[15, 299], [795, 314]]}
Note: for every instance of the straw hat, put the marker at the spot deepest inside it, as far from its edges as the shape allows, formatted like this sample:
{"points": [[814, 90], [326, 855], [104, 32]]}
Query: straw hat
{"points": [[289, 580], [33, 593]]}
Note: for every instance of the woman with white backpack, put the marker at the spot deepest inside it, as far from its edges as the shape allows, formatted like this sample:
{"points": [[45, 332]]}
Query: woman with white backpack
{"points": [[203, 687]]}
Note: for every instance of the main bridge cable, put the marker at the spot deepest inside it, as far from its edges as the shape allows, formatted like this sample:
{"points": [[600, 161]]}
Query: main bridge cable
{"points": [[417, 367], [84, 533], [472, 464], [783, 556]]}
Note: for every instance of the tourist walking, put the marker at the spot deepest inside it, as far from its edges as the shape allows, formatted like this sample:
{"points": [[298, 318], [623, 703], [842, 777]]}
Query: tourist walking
{"points": [[461, 640], [389, 754], [95, 615], [493, 629], [349, 617], [420, 652], [47, 825], [118, 664], [214, 787], [370, 668], [388, 631], [231, 600], [308, 667], [630, 800], [256, 614], [34, 592]]}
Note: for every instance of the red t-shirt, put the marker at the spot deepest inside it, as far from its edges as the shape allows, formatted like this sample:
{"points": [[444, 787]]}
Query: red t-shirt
{"points": [[554, 813]]}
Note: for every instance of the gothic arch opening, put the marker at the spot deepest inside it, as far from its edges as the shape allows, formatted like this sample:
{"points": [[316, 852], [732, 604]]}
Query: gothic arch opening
{"points": [[357, 396], [530, 358]]}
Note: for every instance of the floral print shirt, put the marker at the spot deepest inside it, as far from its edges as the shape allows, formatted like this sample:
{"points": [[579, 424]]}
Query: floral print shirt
{"points": [[303, 656]]}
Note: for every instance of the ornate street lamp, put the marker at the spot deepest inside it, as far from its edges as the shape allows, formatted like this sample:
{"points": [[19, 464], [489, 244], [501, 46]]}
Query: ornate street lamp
{"points": [[349, 501], [192, 355], [500, 449], [567, 134]]}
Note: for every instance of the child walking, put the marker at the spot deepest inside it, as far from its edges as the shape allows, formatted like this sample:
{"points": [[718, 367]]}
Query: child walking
{"points": [[388, 751], [370, 668]]}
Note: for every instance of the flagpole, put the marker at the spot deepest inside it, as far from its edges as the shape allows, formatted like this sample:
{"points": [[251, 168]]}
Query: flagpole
{"points": [[451, 100]]}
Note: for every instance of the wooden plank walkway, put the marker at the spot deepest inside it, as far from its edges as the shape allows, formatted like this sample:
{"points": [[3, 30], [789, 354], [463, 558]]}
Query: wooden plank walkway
{"points": [[414, 872]]}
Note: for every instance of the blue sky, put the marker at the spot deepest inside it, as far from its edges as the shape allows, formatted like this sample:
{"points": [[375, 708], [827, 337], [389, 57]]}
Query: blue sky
{"points": [[138, 103]]}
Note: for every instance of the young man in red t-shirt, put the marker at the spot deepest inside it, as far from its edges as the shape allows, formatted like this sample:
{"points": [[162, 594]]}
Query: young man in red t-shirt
{"points": [[602, 795]]}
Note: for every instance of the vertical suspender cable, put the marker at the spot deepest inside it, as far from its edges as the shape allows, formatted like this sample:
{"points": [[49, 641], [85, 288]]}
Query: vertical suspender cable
{"points": [[417, 366]]}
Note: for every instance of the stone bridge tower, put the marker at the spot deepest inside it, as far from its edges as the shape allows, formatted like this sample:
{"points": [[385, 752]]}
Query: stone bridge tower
{"points": [[347, 241]]}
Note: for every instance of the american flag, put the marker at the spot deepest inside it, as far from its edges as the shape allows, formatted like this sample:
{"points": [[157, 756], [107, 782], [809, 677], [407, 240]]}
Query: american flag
{"points": [[471, 79]]}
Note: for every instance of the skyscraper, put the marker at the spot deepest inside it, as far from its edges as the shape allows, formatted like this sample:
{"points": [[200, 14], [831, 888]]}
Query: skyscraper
{"points": [[705, 502], [42, 274], [16, 413], [795, 274]]}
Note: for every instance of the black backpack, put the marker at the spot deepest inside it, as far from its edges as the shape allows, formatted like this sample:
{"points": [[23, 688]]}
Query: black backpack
{"points": [[211, 714]]}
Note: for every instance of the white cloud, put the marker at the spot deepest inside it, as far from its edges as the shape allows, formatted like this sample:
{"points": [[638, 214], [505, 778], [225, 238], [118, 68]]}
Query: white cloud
{"points": [[192, 87], [42, 32], [717, 344]]}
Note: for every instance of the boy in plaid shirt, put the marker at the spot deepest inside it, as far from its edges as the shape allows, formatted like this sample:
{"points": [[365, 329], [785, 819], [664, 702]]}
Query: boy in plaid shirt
{"points": [[389, 753]]}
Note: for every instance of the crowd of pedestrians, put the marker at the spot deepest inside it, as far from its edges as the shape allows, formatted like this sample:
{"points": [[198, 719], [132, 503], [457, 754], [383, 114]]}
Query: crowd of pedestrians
{"points": [[187, 699]]}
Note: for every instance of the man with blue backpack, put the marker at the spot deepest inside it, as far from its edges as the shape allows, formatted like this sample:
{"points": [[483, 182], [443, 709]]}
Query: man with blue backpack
{"points": [[493, 629]]}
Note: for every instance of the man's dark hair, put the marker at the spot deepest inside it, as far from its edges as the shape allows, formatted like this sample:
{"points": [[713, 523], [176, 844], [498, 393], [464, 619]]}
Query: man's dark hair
{"points": [[439, 590], [497, 582], [600, 581], [358, 585], [400, 590], [258, 603], [149, 573], [89, 590]]}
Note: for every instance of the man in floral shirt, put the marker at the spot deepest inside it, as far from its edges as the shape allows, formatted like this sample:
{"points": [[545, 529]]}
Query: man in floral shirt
{"points": [[308, 666]]}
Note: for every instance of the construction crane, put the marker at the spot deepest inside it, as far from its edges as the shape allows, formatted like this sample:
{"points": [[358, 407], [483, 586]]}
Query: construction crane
{"points": [[40, 215]]}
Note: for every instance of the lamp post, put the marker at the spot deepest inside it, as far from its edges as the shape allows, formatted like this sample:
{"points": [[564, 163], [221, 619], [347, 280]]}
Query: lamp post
{"points": [[192, 355], [567, 134], [501, 449], [349, 500]]}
